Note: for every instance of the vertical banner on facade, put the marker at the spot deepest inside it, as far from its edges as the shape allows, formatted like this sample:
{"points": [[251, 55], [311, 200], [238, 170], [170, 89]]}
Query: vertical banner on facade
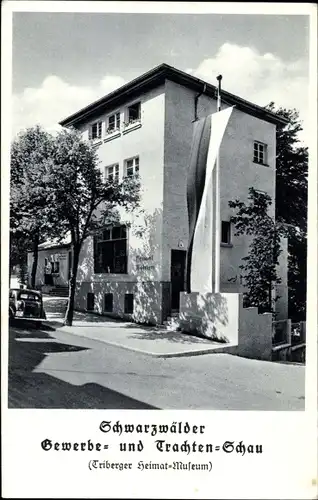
{"points": [[207, 138]]}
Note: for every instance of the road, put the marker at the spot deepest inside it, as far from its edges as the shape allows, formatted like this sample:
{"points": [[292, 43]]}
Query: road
{"points": [[54, 369]]}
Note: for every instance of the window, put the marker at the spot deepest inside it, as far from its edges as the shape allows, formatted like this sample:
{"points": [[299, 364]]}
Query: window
{"points": [[132, 166], [55, 267], [48, 266], [112, 172], [110, 251], [90, 301], [226, 232], [134, 113], [108, 302], [113, 123], [95, 131], [129, 303], [260, 153]]}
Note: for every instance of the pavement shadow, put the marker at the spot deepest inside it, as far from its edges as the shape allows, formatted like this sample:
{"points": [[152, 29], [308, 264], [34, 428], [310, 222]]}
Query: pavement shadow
{"points": [[20, 324], [152, 333], [28, 388], [27, 353], [40, 390], [96, 318], [20, 329]]}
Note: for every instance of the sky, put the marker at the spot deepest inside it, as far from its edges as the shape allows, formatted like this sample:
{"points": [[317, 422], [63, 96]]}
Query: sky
{"points": [[63, 61]]}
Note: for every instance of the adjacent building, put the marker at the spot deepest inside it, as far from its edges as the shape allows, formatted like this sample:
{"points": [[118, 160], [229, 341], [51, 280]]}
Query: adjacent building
{"points": [[145, 128]]}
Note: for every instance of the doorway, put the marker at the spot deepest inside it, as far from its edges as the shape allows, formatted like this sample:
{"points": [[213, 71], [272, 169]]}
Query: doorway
{"points": [[178, 260]]}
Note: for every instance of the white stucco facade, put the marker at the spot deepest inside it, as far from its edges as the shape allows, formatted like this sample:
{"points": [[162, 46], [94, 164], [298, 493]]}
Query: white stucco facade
{"points": [[53, 266], [161, 140]]}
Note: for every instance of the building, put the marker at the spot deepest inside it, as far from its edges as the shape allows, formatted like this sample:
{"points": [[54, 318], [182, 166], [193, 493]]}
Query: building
{"points": [[54, 265], [146, 127]]}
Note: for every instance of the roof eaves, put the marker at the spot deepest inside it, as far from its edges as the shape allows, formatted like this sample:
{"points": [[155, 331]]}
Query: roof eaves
{"points": [[151, 76], [52, 246], [231, 99], [155, 77]]}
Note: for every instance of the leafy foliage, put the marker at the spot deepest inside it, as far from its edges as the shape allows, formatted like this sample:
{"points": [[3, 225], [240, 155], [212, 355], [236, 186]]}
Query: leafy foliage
{"points": [[57, 190], [29, 224], [18, 256], [291, 204], [259, 269]]}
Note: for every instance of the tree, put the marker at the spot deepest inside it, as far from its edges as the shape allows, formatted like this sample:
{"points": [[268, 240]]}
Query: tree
{"points": [[29, 222], [18, 256], [291, 204], [260, 265], [76, 190]]}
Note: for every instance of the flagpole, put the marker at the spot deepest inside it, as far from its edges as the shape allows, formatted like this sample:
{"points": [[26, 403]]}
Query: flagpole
{"points": [[217, 203]]}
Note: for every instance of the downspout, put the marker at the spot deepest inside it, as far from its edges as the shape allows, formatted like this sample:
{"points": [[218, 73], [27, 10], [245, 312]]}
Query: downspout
{"points": [[196, 100]]}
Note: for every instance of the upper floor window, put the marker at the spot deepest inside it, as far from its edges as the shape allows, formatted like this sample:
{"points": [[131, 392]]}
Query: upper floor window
{"points": [[113, 123], [226, 232], [134, 113], [112, 172], [260, 153], [132, 166], [110, 250], [95, 130]]}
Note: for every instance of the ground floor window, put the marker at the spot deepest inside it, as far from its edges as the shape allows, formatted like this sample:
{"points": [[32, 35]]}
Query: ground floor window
{"points": [[110, 251], [108, 302], [129, 303], [90, 301], [55, 267]]}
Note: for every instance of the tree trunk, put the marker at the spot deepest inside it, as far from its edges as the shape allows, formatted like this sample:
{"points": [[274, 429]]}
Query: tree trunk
{"points": [[68, 320], [35, 259], [270, 297]]}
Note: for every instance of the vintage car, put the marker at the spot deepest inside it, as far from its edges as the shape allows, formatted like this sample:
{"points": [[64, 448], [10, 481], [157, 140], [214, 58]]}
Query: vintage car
{"points": [[26, 304]]}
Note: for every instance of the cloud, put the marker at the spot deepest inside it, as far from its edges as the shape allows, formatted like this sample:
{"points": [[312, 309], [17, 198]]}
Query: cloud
{"points": [[259, 78], [55, 99]]}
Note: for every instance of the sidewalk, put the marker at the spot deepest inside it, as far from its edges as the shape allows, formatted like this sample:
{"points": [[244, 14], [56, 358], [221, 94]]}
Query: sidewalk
{"points": [[154, 341]]}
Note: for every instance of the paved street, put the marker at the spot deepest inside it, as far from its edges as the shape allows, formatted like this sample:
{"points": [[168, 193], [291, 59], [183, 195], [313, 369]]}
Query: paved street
{"points": [[51, 368]]}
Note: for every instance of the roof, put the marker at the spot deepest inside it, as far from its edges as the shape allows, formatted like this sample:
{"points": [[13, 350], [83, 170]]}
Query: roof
{"points": [[156, 77], [53, 244]]}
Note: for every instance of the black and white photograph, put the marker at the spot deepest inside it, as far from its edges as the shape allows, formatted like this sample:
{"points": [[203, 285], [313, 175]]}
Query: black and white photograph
{"points": [[157, 213]]}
